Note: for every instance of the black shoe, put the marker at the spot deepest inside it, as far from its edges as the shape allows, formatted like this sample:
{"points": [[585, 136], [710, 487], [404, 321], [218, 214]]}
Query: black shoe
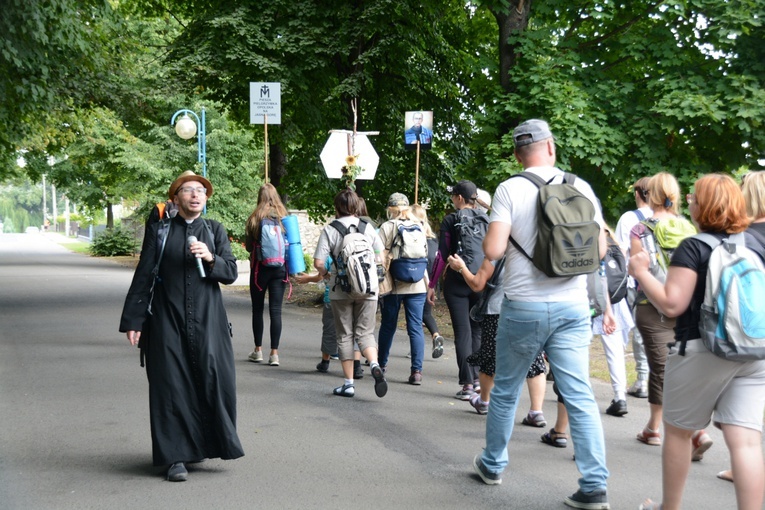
{"points": [[358, 372], [595, 500], [177, 472], [323, 366], [381, 385], [617, 408]]}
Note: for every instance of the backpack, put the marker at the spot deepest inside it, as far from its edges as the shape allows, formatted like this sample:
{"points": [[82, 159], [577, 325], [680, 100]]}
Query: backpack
{"points": [[271, 251], [567, 233], [614, 265], [732, 325], [409, 252], [471, 228], [355, 261], [616, 270], [665, 235]]}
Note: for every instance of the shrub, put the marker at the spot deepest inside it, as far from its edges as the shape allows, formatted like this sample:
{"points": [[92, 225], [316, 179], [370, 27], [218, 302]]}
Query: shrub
{"points": [[114, 242], [308, 262], [239, 251]]}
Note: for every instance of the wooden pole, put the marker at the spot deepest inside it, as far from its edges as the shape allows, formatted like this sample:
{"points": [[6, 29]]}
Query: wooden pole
{"points": [[265, 146], [417, 172]]}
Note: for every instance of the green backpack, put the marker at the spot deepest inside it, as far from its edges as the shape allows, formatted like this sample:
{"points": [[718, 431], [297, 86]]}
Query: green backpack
{"points": [[567, 233], [667, 234]]}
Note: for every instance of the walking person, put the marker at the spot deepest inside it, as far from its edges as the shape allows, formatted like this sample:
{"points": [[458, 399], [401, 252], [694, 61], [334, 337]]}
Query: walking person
{"points": [[421, 214], [661, 234], [184, 336], [265, 223], [409, 294], [699, 386], [541, 312], [458, 295], [626, 222], [485, 357], [354, 317]]}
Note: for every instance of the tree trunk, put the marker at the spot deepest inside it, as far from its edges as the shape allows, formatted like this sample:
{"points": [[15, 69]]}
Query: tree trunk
{"points": [[510, 22], [109, 216]]}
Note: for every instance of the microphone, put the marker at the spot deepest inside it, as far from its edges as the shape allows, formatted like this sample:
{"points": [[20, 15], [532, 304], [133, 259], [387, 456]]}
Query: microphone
{"points": [[190, 240]]}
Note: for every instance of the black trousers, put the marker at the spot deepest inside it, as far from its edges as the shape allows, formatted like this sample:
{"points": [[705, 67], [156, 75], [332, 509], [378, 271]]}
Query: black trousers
{"points": [[467, 333]]}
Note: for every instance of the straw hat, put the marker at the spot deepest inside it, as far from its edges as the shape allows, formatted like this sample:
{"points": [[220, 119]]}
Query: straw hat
{"points": [[187, 176]]}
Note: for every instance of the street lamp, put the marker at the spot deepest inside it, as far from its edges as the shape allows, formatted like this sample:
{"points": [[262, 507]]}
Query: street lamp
{"points": [[186, 128]]}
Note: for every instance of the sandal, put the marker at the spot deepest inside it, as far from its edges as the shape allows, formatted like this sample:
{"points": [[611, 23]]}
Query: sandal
{"points": [[346, 390], [535, 420], [649, 504], [726, 475], [554, 438], [649, 437]]}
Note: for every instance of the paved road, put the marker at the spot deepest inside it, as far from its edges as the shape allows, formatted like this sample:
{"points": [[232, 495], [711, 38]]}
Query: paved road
{"points": [[75, 428]]}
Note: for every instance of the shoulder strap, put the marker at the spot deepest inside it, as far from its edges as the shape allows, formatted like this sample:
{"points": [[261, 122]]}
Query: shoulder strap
{"points": [[534, 178], [639, 214], [337, 225], [709, 239], [212, 236], [569, 178], [161, 209], [164, 227]]}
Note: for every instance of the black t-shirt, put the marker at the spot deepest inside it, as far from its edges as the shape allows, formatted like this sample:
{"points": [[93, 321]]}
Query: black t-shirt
{"points": [[694, 254]]}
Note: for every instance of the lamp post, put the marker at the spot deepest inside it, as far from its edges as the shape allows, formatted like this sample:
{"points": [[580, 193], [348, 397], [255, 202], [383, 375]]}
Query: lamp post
{"points": [[186, 128]]}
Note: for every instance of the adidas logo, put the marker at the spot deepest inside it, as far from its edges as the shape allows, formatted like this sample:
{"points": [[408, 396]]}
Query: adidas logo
{"points": [[578, 248]]}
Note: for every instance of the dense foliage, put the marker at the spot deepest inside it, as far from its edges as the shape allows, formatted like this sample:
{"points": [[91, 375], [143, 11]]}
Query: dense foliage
{"points": [[630, 89]]}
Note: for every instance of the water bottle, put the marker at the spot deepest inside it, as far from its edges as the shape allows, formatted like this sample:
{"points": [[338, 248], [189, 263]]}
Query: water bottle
{"points": [[326, 293], [649, 245], [380, 273]]}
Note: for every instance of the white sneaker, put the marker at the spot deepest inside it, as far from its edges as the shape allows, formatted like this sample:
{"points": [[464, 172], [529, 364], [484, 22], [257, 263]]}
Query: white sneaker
{"points": [[256, 356], [639, 389], [273, 360]]}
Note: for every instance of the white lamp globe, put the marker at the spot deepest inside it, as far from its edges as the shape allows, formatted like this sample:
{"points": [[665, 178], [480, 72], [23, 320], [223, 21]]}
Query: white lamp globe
{"points": [[185, 127]]}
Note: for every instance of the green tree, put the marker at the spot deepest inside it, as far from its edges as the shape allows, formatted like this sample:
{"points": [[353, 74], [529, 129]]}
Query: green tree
{"points": [[632, 89]]}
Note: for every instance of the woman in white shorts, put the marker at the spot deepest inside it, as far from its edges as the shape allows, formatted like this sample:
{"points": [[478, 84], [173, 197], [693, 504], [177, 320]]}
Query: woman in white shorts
{"points": [[699, 386]]}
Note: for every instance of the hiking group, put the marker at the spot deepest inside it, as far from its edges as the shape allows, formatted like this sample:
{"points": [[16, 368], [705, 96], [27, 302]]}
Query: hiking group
{"points": [[527, 286]]}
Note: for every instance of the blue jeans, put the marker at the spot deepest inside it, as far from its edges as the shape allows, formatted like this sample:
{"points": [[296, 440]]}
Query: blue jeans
{"points": [[413, 305], [563, 330]]}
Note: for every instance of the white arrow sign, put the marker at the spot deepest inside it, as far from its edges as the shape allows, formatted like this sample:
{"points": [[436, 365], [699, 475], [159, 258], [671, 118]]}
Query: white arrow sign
{"points": [[338, 147]]}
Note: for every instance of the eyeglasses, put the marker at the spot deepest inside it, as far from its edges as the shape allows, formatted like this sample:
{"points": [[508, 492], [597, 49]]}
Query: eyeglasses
{"points": [[189, 191], [690, 198]]}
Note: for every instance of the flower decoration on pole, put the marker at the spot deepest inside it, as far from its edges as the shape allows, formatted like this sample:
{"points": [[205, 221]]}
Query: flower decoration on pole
{"points": [[351, 170]]}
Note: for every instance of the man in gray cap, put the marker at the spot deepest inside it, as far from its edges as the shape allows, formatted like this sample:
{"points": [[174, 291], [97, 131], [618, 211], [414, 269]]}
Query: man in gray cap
{"points": [[541, 312]]}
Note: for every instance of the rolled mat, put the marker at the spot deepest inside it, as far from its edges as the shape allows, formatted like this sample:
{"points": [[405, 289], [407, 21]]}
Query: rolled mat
{"points": [[295, 260]]}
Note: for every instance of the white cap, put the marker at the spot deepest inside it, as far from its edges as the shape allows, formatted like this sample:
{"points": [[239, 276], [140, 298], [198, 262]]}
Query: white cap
{"points": [[484, 197]]}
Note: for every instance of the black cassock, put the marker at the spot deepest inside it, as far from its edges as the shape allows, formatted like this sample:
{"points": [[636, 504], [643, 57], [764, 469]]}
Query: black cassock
{"points": [[187, 344]]}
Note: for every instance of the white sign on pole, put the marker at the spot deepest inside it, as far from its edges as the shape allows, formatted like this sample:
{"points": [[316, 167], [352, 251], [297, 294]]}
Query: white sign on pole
{"points": [[265, 99], [338, 147]]}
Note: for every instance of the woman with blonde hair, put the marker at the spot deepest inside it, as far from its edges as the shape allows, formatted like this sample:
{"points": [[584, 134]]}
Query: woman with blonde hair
{"points": [[421, 214], [269, 211], [658, 236], [410, 294], [700, 386]]}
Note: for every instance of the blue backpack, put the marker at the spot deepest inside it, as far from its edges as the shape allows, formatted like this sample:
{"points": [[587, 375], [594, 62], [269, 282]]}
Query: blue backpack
{"points": [[732, 324], [273, 243]]}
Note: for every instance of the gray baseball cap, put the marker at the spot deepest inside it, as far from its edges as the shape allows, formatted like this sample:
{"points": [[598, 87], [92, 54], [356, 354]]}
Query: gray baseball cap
{"points": [[533, 130]]}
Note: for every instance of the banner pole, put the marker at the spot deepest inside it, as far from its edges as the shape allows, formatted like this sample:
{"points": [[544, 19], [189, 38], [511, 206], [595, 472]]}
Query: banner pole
{"points": [[265, 146], [417, 173]]}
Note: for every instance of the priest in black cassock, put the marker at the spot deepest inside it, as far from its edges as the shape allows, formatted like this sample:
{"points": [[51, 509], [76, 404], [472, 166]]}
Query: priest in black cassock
{"points": [[185, 337]]}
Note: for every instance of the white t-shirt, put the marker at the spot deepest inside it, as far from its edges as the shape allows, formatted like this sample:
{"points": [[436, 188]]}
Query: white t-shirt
{"points": [[625, 224], [515, 203]]}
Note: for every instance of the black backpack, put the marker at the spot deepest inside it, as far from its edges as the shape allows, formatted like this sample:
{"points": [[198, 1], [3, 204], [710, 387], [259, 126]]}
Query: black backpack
{"points": [[471, 228], [615, 264]]}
